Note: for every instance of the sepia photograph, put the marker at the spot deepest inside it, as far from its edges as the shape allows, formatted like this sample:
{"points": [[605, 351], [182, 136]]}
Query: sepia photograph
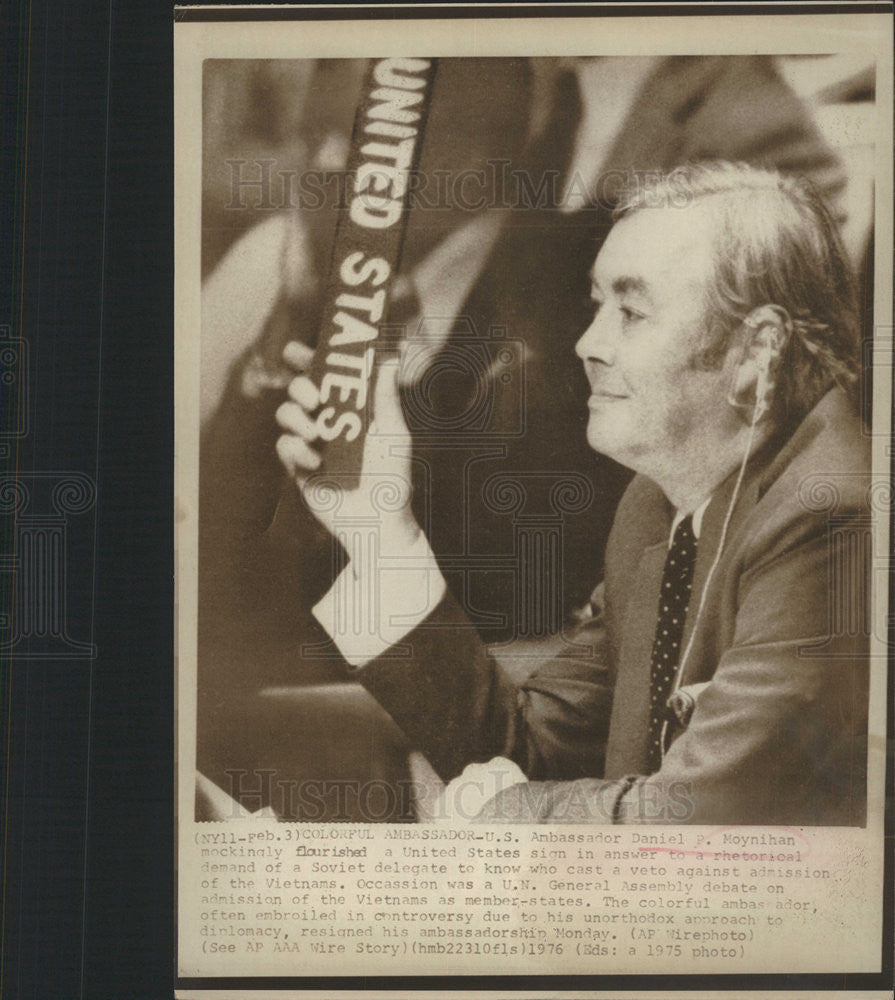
{"points": [[447, 490], [531, 415], [631, 295]]}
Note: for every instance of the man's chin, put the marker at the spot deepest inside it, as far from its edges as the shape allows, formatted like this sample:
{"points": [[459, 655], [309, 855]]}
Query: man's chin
{"points": [[603, 441]]}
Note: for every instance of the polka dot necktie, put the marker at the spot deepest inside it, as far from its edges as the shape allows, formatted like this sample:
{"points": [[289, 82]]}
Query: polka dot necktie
{"points": [[674, 600]]}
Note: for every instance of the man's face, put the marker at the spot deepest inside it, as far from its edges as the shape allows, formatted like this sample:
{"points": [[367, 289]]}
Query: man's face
{"points": [[650, 408]]}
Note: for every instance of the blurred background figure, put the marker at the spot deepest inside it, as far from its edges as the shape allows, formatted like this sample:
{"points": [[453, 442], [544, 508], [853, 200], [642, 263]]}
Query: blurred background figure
{"points": [[520, 165]]}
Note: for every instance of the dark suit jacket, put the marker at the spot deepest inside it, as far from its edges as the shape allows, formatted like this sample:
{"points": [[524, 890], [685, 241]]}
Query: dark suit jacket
{"points": [[778, 732]]}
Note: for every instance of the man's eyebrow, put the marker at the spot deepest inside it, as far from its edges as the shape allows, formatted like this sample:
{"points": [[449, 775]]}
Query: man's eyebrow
{"points": [[629, 284], [623, 284]]}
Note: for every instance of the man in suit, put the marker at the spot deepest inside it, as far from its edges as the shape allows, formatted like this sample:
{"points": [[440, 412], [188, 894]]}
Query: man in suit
{"points": [[721, 361], [570, 130]]}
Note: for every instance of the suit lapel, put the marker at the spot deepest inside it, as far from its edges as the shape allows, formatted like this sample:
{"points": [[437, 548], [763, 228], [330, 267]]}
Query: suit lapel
{"points": [[699, 665], [626, 751]]}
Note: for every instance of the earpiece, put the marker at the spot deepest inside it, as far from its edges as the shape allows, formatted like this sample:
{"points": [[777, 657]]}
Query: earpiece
{"points": [[764, 385], [771, 322]]}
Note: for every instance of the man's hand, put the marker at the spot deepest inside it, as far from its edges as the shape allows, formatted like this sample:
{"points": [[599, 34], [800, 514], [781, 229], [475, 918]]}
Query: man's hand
{"points": [[382, 496]]}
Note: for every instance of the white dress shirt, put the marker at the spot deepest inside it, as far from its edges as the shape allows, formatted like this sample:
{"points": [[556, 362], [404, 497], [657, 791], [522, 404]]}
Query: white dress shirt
{"points": [[697, 521]]}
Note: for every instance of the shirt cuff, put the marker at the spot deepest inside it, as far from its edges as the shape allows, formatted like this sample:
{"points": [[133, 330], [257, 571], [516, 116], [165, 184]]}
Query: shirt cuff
{"points": [[466, 795], [377, 600]]}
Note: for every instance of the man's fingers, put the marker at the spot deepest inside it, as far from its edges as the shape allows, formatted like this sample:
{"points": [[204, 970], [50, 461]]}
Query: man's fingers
{"points": [[298, 355], [387, 413], [293, 418], [296, 455], [304, 392]]}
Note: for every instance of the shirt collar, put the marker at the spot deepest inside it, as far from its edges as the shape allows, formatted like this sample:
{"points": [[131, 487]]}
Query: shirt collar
{"points": [[697, 520]]}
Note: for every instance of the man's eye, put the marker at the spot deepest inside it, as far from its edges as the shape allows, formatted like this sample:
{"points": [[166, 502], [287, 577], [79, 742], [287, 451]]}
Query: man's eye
{"points": [[630, 315]]}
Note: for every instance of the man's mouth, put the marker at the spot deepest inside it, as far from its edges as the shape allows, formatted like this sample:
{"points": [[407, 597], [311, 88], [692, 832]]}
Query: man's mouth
{"points": [[598, 396]]}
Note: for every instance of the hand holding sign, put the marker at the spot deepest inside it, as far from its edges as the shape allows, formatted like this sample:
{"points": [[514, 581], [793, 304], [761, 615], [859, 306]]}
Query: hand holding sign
{"points": [[381, 497]]}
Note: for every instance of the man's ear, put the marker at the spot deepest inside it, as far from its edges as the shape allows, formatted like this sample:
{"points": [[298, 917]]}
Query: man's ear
{"points": [[766, 333]]}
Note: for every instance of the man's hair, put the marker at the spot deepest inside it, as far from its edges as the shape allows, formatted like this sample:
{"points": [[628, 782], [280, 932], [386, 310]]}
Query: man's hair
{"points": [[776, 243]]}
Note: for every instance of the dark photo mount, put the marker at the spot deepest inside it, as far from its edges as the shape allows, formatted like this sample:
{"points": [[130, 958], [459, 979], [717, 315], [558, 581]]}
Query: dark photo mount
{"points": [[86, 561]]}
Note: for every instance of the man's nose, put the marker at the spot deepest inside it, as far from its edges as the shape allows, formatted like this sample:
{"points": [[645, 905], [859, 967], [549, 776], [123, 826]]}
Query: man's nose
{"points": [[597, 343]]}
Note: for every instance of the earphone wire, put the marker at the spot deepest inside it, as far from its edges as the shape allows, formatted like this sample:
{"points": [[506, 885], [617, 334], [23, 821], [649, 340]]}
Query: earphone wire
{"points": [[756, 414]]}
